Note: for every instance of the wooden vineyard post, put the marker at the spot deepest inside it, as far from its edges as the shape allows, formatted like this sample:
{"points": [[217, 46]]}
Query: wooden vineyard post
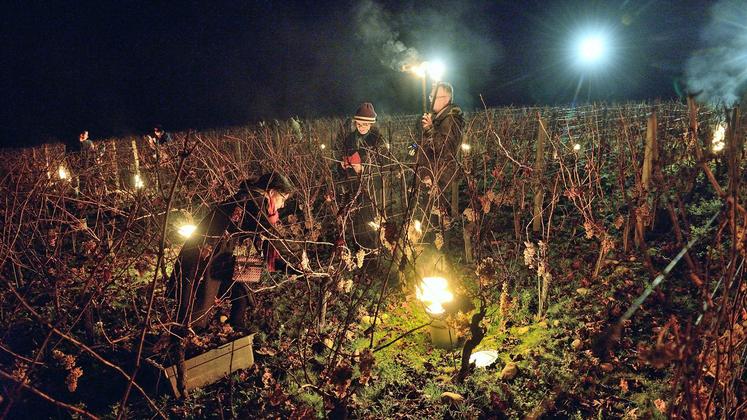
{"points": [[239, 157], [137, 163], [135, 156], [46, 161], [115, 165], [539, 162], [649, 155]]}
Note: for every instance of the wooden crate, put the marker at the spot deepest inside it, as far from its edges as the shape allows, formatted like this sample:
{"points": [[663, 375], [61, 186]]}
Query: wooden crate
{"points": [[212, 365]]}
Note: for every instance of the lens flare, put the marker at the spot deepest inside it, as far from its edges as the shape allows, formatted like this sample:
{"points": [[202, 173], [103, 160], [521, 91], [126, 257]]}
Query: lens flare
{"points": [[592, 48], [436, 70]]}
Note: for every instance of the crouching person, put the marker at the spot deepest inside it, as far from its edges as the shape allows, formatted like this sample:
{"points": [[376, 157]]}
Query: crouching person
{"points": [[216, 261]]}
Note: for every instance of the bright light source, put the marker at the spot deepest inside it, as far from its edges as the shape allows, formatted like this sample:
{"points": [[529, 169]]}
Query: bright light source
{"points": [[322, 146], [717, 143], [433, 69], [466, 147], [187, 230], [63, 173], [576, 147], [418, 226], [387, 145], [436, 70], [592, 49], [416, 69], [138, 181], [434, 291]]}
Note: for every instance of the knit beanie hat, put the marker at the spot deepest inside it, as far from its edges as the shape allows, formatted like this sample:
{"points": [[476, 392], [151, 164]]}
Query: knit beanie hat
{"points": [[365, 113]]}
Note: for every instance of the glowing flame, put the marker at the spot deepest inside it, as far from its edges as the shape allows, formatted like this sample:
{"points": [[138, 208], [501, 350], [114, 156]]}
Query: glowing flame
{"points": [[187, 230], [718, 138], [322, 146], [434, 291], [138, 181], [63, 173], [436, 70], [466, 147], [576, 147], [418, 226], [416, 69]]}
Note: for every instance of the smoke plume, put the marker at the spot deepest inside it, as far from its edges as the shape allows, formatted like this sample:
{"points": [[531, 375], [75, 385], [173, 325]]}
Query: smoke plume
{"points": [[374, 29], [717, 73]]}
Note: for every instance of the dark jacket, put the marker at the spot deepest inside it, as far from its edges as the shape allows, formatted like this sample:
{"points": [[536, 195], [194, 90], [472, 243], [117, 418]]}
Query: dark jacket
{"points": [[165, 138], [439, 147], [208, 253], [86, 145], [366, 146]]}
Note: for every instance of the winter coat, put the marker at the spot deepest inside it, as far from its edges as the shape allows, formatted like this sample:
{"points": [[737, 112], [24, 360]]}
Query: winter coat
{"points": [[208, 254], [364, 146], [439, 148]]}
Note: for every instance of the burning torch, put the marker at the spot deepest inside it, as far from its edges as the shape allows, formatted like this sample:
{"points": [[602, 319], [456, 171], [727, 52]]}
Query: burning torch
{"points": [[433, 69]]}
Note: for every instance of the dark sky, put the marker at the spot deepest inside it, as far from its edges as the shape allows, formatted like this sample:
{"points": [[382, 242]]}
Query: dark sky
{"points": [[119, 67]]}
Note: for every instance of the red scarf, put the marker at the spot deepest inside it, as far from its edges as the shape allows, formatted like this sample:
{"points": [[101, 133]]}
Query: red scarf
{"points": [[273, 217]]}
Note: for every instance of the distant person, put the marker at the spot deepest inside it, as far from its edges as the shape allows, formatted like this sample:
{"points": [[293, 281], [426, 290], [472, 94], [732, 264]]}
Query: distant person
{"points": [[207, 265], [159, 136], [359, 156], [85, 143]]}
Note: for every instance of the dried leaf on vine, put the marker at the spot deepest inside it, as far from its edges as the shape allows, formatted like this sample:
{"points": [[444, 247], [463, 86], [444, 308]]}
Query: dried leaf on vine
{"points": [[367, 362], [340, 379]]}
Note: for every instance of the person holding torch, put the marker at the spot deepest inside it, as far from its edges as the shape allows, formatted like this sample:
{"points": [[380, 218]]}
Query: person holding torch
{"points": [[437, 164]]}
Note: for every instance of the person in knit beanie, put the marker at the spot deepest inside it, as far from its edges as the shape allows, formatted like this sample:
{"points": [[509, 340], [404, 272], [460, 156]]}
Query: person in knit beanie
{"points": [[364, 137], [358, 150]]}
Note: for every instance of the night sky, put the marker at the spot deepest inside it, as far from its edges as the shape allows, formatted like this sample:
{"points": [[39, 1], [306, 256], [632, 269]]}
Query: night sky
{"points": [[117, 68]]}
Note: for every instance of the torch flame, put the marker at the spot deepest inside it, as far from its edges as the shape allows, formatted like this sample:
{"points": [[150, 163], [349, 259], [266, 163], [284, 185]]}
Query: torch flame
{"points": [[434, 291], [435, 69], [418, 69]]}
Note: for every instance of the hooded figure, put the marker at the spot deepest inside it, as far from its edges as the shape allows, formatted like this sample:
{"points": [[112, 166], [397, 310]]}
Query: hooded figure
{"points": [[206, 264]]}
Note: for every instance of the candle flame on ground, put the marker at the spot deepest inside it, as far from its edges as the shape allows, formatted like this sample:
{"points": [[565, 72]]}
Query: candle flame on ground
{"points": [[63, 173], [187, 230], [434, 291], [138, 181]]}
